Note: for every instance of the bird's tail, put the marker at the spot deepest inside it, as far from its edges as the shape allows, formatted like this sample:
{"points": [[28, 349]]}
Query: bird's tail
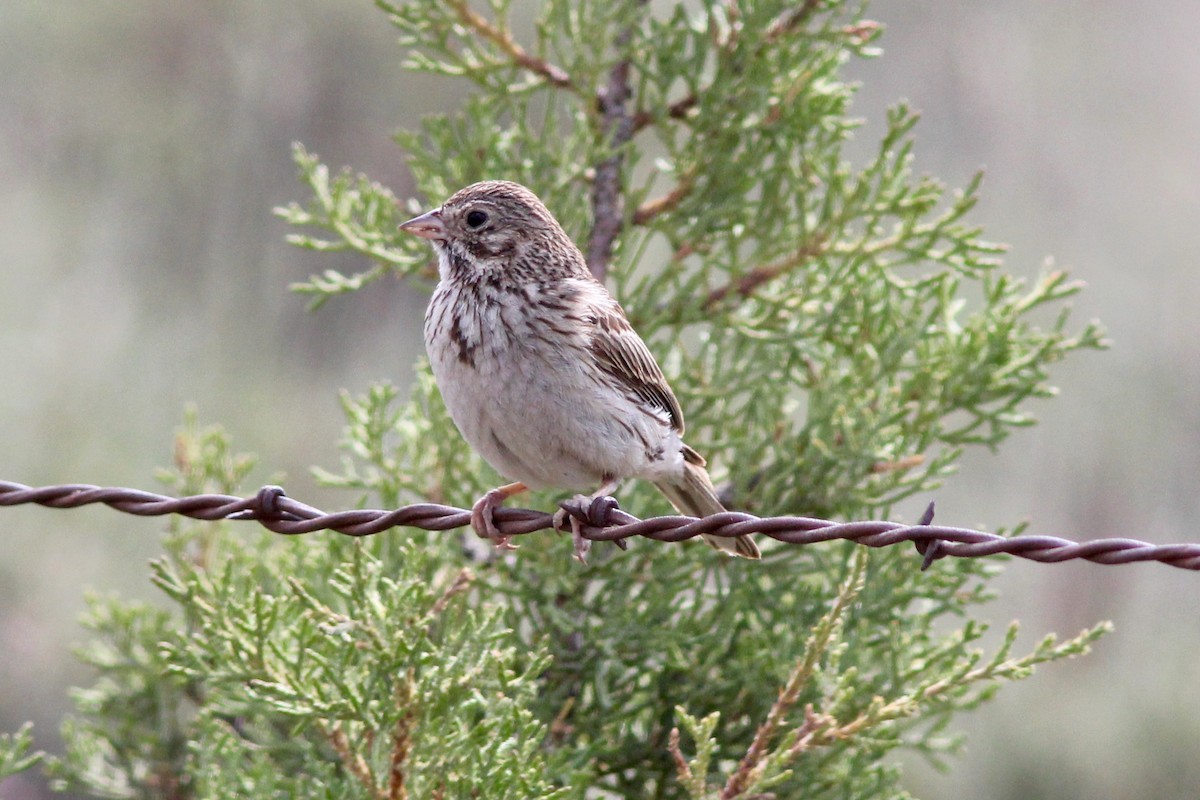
{"points": [[693, 494]]}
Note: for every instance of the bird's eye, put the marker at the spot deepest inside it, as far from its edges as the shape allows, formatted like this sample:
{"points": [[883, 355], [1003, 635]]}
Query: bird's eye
{"points": [[476, 219]]}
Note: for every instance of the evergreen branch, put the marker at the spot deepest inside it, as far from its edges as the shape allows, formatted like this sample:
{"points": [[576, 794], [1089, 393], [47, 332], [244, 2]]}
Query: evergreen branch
{"points": [[823, 730], [692, 774], [502, 37], [14, 751], [1000, 668], [353, 207], [750, 767], [782, 25], [360, 214]]}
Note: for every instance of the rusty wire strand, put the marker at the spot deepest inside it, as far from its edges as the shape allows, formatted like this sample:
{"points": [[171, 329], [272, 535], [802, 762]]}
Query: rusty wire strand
{"points": [[601, 521]]}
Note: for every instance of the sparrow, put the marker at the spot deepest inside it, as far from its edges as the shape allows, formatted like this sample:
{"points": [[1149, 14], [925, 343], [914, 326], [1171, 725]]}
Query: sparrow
{"points": [[539, 367]]}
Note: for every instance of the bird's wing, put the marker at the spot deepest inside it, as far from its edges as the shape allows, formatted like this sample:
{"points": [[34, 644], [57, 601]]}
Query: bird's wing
{"points": [[622, 354]]}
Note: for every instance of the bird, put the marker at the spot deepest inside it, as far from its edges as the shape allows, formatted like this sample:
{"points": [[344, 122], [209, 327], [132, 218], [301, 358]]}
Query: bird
{"points": [[539, 367]]}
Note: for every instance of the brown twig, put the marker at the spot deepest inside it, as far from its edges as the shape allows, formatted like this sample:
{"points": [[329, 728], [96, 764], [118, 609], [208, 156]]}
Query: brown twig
{"points": [[862, 31], [745, 285], [502, 38], [807, 734], [733, 17], [681, 766], [352, 761], [789, 20], [560, 728], [402, 735], [461, 583], [652, 208], [898, 465], [680, 109], [616, 128], [683, 106]]}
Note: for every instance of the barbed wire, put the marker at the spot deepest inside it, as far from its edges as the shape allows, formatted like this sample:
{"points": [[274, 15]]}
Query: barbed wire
{"points": [[601, 520]]}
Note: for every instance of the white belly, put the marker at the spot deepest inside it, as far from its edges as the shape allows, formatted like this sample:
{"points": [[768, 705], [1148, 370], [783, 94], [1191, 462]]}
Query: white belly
{"points": [[535, 413]]}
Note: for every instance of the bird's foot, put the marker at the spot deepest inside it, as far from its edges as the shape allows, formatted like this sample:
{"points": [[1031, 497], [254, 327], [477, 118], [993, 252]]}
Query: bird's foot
{"points": [[592, 509], [483, 515], [563, 518]]}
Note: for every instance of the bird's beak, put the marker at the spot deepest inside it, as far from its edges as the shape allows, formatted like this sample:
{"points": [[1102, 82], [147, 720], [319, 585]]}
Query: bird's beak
{"points": [[427, 226]]}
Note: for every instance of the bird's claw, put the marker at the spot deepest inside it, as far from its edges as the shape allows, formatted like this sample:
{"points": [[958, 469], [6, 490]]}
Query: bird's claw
{"points": [[483, 520], [594, 510], [562, 517]]}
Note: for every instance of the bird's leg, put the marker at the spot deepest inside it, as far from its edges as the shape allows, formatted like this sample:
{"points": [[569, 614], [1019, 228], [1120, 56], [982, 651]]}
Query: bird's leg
{"points": [[561, 517], [485, 507]]}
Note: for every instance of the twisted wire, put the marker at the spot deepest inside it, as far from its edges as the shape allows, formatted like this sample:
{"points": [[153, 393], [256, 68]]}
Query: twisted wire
{"points": [[602, 521]]}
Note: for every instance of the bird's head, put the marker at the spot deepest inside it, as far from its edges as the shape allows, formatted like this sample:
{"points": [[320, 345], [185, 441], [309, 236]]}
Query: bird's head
{"points": [[497, 225]]}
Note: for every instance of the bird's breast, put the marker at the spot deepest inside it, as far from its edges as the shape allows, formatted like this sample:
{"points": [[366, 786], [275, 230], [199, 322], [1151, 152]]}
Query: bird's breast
{"points": [[517, 378]]}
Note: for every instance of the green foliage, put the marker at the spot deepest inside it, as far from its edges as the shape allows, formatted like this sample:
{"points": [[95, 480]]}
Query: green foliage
{"points": [[14, 751], [361, 215], [301, 669], [837, 334]]}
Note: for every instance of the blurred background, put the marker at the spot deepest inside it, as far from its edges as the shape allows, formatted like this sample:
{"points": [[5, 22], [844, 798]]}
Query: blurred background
{"points": [[143, 146]]}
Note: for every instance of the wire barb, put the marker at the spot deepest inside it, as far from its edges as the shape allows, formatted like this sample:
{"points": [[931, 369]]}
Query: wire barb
{"points": [[602, 520]]}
